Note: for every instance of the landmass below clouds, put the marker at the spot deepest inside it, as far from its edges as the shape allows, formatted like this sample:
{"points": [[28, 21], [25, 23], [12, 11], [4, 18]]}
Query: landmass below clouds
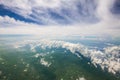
{"points": [[106, 59]]}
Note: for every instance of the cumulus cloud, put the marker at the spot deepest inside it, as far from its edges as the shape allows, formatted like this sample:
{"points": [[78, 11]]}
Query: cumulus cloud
{"points": [[6, 20], [81, 78], [108, 58], [45, 63]]}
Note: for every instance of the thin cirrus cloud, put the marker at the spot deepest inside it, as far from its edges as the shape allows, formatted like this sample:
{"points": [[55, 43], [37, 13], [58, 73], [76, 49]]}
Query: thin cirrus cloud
{"points": [[53, 11], [68, 17]]}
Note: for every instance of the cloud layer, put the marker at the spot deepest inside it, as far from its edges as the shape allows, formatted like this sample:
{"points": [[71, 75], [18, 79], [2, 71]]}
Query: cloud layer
{"points": [[68, 17], [47, 11], [106, 59]]}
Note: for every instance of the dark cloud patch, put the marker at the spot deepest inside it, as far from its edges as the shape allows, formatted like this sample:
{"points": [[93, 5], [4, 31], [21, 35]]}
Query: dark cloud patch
{"points": [[116, 7]]}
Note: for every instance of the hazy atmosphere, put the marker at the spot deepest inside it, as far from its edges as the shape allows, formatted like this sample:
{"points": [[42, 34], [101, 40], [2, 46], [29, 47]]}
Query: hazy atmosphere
{"points": [[59, 39], [60, 17]]}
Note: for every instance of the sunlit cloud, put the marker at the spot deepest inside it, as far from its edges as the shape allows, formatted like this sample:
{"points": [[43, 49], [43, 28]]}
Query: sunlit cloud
{"points": [[61, 17]]}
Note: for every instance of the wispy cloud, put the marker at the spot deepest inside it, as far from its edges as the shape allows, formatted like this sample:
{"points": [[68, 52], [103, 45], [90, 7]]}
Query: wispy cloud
{"points": [[45, 11], [11, 26], [61, 17]]}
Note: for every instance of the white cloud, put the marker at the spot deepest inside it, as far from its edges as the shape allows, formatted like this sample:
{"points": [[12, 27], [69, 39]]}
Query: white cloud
{"points": [[81, 78], [108, 24], [103, 9], [9, 20], [40, 9], [108, 58], [45, 63], [11, 26]]}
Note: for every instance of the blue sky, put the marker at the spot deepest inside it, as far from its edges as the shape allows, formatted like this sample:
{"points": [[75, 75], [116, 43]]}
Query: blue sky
{"points": [[73, 11], [60, 17]]}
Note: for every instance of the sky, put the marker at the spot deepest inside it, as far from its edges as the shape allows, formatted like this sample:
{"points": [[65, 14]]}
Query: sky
{"points": [[60, 17]]}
